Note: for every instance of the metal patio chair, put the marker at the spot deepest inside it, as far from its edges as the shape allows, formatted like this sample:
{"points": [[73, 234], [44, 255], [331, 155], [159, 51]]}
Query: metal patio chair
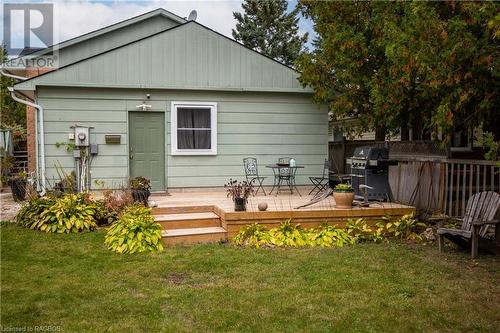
{"points": [[252, 173], [284, 175], [320, 183]]}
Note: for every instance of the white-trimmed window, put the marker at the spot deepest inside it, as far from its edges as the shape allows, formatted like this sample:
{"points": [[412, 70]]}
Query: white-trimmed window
{"points": [[194, 128]]}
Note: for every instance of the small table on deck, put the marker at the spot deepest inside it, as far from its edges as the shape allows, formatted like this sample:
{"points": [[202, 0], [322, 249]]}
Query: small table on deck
{"points": [[281, 174]]}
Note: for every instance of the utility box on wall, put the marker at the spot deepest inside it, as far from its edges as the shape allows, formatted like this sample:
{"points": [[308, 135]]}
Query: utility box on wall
{"points": [[81, 136], [112, 139]]}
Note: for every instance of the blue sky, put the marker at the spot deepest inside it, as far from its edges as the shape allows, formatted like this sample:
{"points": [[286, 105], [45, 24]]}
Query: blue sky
{"points": [[73, 18]]}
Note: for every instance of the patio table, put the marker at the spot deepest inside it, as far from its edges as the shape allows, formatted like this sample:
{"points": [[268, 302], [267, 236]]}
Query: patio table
{"points": [[278, 177]]}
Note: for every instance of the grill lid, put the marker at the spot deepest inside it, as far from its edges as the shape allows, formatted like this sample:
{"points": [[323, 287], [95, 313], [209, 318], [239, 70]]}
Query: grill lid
{"points": [[371, 153]]}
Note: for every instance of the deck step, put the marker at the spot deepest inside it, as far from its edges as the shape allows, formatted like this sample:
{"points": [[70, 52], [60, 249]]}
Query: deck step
{"points": [[194, 235], [162, 210], [190, 220]]}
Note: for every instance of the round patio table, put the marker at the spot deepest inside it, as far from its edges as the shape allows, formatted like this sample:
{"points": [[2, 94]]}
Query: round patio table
{"points": [[284, 173]]}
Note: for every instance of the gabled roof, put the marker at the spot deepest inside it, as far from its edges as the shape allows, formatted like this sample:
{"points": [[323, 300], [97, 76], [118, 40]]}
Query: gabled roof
{"points": [[136, 19], [187, 56]]}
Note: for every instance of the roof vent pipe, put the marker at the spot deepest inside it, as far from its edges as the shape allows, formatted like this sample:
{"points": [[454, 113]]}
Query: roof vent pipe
{"points": [[42, 140]]}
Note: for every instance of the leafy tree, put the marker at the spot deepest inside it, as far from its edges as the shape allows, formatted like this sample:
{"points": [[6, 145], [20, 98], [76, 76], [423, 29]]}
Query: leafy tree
{"points": [[266, 27], [13, 114], [393, 65]]}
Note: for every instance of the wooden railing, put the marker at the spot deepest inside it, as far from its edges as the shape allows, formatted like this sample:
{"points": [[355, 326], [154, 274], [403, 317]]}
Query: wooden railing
{"points": [[463, 178]]}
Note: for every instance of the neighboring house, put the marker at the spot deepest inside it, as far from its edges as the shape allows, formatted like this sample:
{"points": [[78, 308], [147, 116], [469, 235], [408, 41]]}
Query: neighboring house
{"points": [[212, 103]]}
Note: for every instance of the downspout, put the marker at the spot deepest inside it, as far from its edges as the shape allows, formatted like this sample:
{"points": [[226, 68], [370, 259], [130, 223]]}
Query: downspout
{"points": [[42, 140]]}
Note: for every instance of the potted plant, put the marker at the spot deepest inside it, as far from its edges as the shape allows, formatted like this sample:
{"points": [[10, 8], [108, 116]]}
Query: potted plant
{"points": [[18, 185], [140, 187], [67, 183], [239, 193], [343, 195]]}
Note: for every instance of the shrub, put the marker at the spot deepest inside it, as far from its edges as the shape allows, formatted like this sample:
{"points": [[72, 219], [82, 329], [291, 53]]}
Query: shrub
{"points": [[29, 214], [115, 202], [68, 213], [327, 236], [135, 231], [361, 231], [288, 234], [140, 183], [102, 216], [253, 235], [406, 228]]}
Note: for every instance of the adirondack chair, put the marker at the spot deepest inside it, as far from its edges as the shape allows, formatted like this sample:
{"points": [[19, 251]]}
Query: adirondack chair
{"points": [[479, 216]]}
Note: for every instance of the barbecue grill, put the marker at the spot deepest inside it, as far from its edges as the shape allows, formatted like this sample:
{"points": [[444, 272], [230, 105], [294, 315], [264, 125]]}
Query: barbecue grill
{"points": [[370, 166]]}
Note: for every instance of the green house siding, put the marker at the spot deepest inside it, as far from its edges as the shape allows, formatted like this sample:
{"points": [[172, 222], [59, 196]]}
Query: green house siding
{"points": [[263, 125], [113, 39], [189, 56], [112, 36]]}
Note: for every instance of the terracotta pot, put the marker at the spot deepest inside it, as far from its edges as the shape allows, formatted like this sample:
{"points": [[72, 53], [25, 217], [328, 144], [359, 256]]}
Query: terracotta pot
{"points": [[343, 199]]}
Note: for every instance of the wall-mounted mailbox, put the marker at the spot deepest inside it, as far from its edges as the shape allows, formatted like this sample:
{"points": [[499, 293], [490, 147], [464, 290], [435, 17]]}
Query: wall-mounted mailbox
{"points": [[113, 139]]}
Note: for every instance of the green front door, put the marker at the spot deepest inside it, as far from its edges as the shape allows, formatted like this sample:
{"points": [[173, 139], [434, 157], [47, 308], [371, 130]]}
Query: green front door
{"points": [[147, 147]]}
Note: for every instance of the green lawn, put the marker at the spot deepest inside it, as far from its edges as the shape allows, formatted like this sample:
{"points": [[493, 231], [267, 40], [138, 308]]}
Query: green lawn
{"points": [[73, 282]]}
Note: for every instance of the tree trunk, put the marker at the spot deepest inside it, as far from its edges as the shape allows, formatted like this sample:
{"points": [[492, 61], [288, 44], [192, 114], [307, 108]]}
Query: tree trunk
{"points": [[380, 133], [405, 133]]}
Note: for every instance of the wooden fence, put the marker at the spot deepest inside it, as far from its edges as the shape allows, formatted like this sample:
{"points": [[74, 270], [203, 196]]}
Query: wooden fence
{"points": [[442, 186]]}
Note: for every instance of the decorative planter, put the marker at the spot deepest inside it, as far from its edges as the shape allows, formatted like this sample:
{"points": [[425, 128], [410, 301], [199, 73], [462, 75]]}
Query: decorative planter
{"points": [[240, 204], [343, 199], [18, 187], [141, 196]]}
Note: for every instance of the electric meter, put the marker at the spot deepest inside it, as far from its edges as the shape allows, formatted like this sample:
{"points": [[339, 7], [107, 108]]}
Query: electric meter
{"points": [[81, 136]]}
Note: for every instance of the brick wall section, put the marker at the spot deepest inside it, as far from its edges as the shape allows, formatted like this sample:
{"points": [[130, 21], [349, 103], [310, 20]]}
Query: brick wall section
{"points": [[31, 123], [31, 139]]}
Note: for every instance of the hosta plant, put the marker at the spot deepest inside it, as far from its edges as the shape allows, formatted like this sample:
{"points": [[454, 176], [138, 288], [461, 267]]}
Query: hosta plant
{"points": [[288, 234], [30, 212], [135, 231], [253, 235], [361, 231], [68, 213], [328, 236], [406, 228]]}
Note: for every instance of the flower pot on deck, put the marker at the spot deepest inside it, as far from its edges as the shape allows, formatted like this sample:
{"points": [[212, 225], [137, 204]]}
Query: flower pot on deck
{"points": [[240, 204], [343, 199], [141, 196]]}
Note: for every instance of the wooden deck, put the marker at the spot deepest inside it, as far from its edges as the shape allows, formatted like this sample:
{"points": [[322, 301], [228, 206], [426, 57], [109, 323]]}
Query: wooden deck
{"points": [[177, 207]]}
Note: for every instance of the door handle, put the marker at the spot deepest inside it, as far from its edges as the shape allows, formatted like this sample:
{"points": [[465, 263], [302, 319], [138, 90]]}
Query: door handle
{"points": [[131, 154]]}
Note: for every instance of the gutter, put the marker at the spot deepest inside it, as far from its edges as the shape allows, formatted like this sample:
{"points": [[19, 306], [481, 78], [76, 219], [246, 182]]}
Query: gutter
{"points": [[39, 108], [4, 73]]}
